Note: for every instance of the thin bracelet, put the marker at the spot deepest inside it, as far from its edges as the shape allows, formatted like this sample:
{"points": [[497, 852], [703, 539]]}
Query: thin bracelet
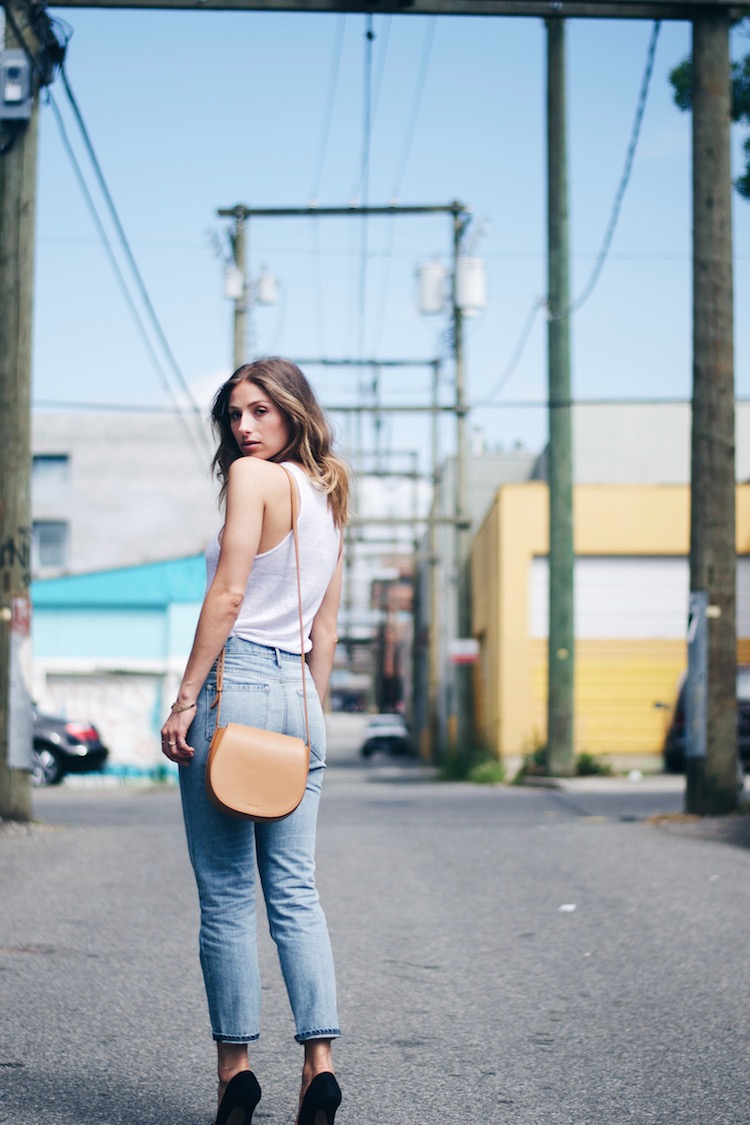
{"points": [[178, 708]]}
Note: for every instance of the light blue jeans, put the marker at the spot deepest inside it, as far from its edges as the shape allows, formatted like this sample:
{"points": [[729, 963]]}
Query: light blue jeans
{"points": [[262, 688]]}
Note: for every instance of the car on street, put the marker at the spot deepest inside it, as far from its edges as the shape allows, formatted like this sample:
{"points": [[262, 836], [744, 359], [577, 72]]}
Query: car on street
{"points": [[387, 734], [674, 741], [64, 746]]}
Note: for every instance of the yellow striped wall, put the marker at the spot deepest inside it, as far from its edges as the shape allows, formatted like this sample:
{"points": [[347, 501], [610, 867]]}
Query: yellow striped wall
{"points": [[619, 682]]}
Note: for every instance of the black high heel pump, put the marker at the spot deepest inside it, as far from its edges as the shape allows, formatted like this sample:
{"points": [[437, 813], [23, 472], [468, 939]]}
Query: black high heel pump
{"points": [[240, 1099], [322, 1099]]}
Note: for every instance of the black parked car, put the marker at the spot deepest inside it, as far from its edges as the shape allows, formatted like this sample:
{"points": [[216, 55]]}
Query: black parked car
{"points": [[62, 746], [674, 742]]}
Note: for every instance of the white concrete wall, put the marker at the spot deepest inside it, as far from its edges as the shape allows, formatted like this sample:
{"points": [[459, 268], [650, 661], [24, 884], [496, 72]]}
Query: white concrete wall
{"points": [[137, 491], [644, 444]]}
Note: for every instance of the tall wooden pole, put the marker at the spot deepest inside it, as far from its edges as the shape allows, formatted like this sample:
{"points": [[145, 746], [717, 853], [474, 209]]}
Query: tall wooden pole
{"points": [[437, 612], [239, 247], [560, 758], [463, 673], [712, 776], [17, 202]]}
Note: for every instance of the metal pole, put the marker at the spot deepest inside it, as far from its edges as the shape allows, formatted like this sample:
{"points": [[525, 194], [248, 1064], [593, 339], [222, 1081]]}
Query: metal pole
{"points": [[586, 9], [560, 758], [331, 212], [712, 779]]}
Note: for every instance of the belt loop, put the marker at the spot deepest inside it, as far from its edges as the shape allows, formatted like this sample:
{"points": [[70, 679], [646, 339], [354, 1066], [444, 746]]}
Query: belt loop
{"points": [[278, 656]]}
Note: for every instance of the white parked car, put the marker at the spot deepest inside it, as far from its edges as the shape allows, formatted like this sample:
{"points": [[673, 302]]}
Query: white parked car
{"points": [[387, 734]]}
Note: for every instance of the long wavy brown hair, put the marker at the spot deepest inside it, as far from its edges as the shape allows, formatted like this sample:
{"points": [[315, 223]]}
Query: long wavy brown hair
{"points": [[310, 434]]}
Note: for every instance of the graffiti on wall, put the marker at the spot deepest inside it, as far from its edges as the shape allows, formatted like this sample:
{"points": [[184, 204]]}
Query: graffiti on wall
{"points": [[127, 709], [15, 556], [20, 717]]}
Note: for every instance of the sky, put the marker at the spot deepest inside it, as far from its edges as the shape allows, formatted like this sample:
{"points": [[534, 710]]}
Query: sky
{"points": [[190, 112]]}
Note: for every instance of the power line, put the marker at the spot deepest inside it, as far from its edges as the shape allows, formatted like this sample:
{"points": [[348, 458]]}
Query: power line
{"points": [[126, 246], [382, 58], [101, 407], [401, 168], [525, 333], [339, 252], [518, 351], [511, 404], [624, 179], [325, 132], [318, 175], [365, 181], [116, 268], [318, 286], [385, 289], [566, 403], [419, 86]]}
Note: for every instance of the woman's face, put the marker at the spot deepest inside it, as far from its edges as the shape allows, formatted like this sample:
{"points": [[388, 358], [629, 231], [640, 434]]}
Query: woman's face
{"points": [[258, 426]]}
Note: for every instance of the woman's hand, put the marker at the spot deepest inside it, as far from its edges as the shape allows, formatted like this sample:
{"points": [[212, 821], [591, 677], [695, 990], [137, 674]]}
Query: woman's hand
{"points": [[174, 736]]}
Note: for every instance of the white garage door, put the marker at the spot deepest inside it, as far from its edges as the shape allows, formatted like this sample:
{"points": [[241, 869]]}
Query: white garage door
{"points": [[629, 597], [125, 707]]}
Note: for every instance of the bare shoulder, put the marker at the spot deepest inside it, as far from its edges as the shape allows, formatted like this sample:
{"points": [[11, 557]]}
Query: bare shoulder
{"points": [[264, 478]]}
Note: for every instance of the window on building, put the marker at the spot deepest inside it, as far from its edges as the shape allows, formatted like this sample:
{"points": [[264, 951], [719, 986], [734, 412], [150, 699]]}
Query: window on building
{"points": [[49, 544], [50, 467]]}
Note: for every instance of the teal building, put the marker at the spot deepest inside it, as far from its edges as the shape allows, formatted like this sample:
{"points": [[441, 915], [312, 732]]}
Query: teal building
{"points": [[110, 646]]}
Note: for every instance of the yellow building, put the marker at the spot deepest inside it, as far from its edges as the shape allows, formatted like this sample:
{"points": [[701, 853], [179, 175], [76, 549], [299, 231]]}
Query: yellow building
{"points": [[631, 597]]}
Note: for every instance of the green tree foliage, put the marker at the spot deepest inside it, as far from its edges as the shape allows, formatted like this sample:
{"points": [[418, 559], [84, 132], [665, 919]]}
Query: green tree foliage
{"points": [[681, 79]]}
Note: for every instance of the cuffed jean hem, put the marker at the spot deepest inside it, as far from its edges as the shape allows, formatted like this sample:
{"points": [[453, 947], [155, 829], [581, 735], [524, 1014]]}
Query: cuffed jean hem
{"points": [[235, 1038], [325, 1033]]}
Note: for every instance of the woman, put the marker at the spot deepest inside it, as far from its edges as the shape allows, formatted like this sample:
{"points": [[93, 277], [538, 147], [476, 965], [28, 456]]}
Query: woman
{"points": [[265, 415]]}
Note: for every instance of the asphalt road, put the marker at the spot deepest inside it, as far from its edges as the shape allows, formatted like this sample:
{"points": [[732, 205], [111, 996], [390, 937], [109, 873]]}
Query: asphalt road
{"points": [[504, 955]]}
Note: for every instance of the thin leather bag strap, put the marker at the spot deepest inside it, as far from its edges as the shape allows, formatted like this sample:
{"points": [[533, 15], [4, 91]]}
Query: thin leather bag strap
{"points": [[220, 662], [293, 488]]}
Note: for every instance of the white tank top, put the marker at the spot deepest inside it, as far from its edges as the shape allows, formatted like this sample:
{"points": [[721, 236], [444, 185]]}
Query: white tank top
{"points": [[269, 614]]}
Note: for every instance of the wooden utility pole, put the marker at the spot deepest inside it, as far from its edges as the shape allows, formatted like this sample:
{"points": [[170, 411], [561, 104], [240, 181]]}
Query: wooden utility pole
{"points": [[560, 759], [239, 250], [436, 617], [712, 776], [463, 673], [17, 203]]}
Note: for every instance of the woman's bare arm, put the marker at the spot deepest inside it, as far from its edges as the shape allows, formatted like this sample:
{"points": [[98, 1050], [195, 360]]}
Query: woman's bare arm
{"points": [[324, 634], [247, 491]]}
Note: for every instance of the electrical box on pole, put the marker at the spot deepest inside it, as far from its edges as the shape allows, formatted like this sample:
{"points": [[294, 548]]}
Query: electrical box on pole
{"points": [[266, 288], [16, 86], [432, 288], [471, 285], [234, 283]]}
